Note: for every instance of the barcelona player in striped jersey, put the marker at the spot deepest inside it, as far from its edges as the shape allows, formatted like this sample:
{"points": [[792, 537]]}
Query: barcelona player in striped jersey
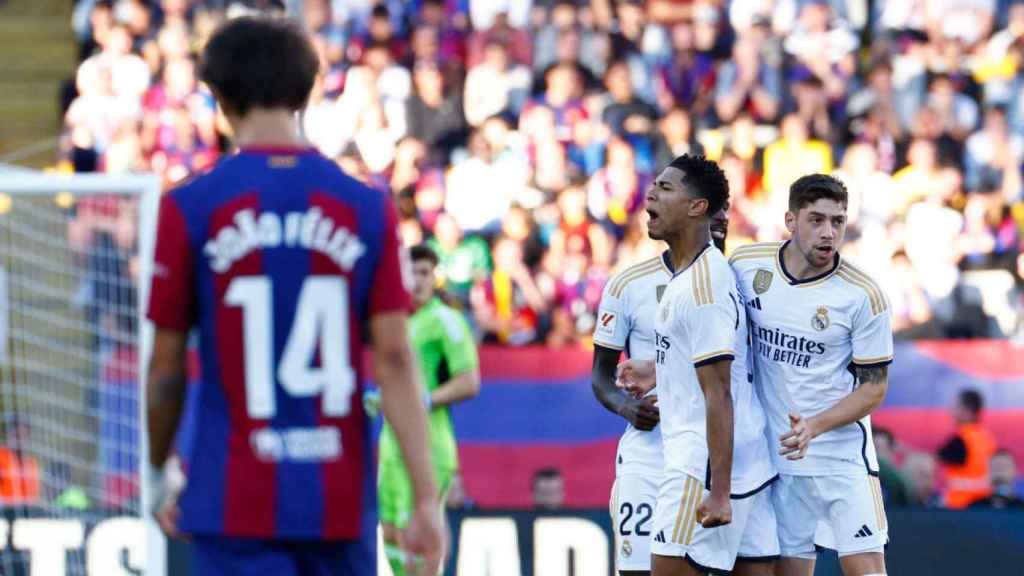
{"points": [[284, 266]]}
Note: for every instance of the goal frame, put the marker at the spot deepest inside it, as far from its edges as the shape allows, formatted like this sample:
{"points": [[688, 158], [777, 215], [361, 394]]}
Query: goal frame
{"points": [[148, 188]]}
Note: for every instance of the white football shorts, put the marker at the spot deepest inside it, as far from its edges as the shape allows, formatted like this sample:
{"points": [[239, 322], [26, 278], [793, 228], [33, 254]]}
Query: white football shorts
{"points": [[750, 536], [632, 510], [842, 512]]}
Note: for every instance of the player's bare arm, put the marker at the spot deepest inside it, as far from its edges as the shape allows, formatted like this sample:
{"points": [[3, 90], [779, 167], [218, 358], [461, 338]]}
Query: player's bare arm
{"points": [[165, 392], [640, 412], [461, 387], [872, 385], [402, 402], [715, 382], [165, 401]]}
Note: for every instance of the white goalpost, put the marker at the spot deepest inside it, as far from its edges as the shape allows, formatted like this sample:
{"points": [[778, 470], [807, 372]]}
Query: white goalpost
{"points": [[75, 260]]}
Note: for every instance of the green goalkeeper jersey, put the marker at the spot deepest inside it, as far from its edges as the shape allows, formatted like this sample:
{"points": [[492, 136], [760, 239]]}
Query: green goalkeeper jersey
{"points": [[445, 348]]}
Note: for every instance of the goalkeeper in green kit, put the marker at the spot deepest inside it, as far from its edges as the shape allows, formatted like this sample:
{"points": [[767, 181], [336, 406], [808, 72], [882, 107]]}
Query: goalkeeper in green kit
{"points": [[448, 361]]}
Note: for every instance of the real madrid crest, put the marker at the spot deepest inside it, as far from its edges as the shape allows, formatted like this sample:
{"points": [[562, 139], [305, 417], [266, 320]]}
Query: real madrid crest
{"points": [[762, 281], [820, 319], [660, 290], [627, 548]]}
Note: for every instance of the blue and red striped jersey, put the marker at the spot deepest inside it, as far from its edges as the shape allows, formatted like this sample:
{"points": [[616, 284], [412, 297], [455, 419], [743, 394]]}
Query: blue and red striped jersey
{"points": [[279, 260]]}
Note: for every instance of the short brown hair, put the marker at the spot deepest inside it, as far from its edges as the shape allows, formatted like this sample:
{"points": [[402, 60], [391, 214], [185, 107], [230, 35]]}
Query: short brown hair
{"points": [[423, 252], [813, 187], [259, 62]]}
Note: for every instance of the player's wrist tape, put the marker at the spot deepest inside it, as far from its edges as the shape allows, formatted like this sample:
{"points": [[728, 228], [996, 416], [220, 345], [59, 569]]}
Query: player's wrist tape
{"points": [[164, 481], [156, 483], [427, 401]]}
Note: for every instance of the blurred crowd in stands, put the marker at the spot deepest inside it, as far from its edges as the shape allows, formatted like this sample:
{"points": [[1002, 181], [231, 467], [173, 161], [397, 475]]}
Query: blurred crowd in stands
{"points": [[517, 137], [968, 470]]}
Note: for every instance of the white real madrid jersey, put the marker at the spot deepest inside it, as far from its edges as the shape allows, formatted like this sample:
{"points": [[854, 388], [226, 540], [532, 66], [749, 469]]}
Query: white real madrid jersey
{"points": [[625, 321], [807, 336], [701, 320]]}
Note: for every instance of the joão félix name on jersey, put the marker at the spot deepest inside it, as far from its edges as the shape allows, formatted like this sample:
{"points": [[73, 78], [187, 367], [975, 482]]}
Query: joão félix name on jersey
{"points": [[777, 346], [308, 230]]}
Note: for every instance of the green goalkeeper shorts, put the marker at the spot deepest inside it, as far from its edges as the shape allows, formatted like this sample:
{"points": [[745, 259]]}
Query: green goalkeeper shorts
{"points": [[394, 492]]}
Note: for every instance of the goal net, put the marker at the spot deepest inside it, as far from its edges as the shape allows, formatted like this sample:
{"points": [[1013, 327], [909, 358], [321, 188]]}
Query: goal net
{"points": [[73, 253]]}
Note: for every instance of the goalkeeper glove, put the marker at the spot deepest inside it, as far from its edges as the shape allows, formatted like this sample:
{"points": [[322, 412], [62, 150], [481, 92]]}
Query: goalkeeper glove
{"points": [[371, 403], [372, 407]]}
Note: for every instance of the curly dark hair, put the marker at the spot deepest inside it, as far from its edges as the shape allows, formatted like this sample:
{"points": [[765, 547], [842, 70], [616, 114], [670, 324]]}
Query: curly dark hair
{"points": [[813, 187], [262, 62], [705, 179]]}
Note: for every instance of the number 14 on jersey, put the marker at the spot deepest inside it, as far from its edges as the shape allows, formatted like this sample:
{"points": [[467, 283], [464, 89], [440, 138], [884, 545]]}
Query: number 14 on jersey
{"points": [[321, 317]]}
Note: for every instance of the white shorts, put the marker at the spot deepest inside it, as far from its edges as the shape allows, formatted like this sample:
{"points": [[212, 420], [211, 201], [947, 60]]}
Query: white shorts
{"points": [[842, 512], [750, 536], [632, 510]]}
